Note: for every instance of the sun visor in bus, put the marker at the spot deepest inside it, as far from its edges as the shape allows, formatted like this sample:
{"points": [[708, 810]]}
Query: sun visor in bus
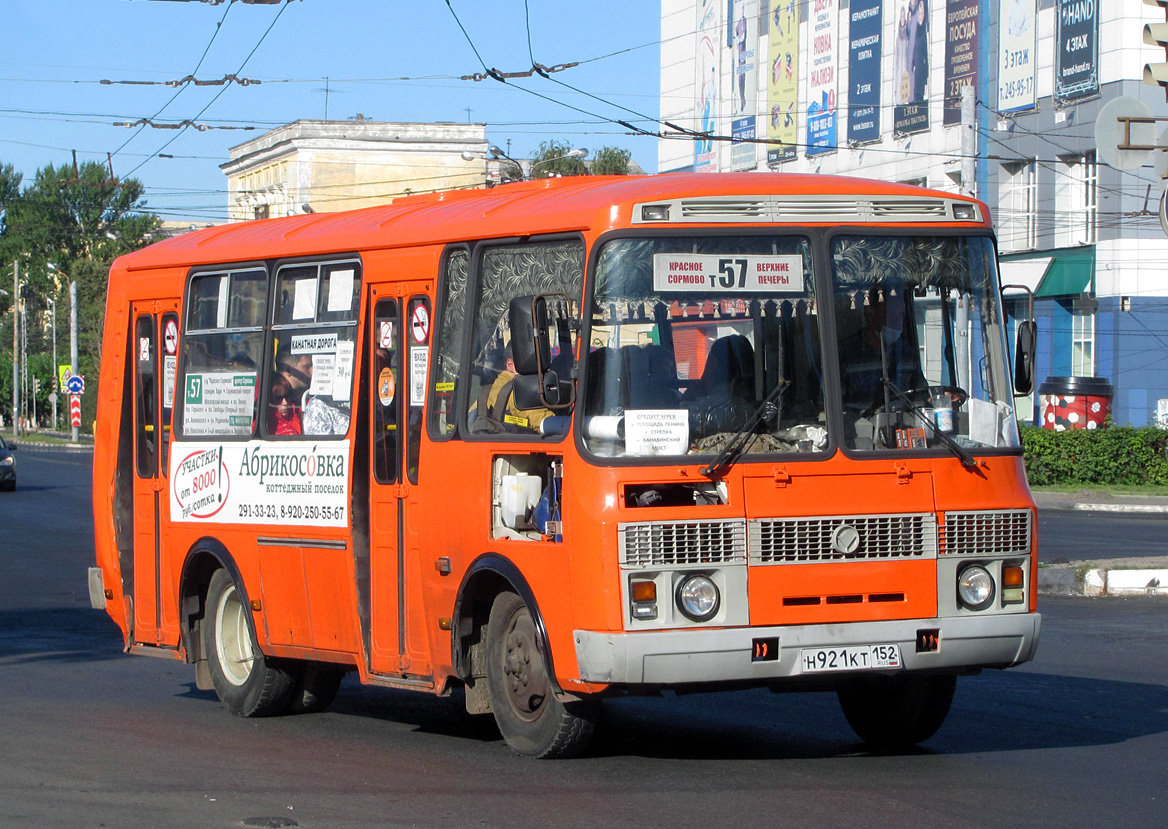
{"points": [[523, 345]]}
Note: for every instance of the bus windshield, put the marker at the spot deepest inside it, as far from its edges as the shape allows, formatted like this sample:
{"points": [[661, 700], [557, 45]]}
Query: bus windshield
{"points": [[693, 339], [921, 345]]}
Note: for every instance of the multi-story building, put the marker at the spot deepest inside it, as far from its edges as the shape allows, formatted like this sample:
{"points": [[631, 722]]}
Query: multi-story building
{"points": [[328, 166], [875, 88]]}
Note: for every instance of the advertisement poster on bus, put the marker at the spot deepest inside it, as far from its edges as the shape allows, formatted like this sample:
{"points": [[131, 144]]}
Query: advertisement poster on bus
{"points": [[911, 67], [260, 482], [783, 84], [1076, 68], [706, 84], [865, 48], [822, 91], [1017, 59], [961, 45], [744, 106]]}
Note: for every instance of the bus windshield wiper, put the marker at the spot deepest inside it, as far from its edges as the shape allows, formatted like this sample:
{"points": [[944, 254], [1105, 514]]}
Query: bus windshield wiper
{"points": [[967, 459], [769, 405]]}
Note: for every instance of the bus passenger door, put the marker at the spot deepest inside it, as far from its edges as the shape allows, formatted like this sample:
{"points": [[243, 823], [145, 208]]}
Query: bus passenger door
{"points": [[155, 349], [386, 611], [400, 333]]}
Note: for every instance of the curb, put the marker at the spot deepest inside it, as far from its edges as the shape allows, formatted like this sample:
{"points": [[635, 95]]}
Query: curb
{"points": [[1121, 507], [1098, 582], [70, 448]]}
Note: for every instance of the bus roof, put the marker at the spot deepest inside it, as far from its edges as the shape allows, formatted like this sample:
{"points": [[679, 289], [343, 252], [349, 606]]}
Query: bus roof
{"points": [[528, 208]]}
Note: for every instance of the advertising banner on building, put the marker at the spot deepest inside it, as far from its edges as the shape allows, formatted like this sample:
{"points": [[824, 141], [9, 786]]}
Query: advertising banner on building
{"points": [[260, 482], [706, 85], [961, 43], [1017, 58], [783, 83], [1076, 67], [864, 53], [911, 67], [822, 92], [744, 107]]}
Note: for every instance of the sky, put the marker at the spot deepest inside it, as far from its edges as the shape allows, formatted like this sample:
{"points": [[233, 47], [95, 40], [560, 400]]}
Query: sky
{"points": [[388, 60]]}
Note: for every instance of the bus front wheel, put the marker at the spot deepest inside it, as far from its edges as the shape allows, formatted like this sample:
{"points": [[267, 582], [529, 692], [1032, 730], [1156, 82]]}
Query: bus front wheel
{"points": [[895, 712], [532, 721], [248, 683]]}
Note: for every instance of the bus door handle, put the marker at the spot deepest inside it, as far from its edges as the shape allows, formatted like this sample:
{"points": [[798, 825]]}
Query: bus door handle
{"points": [[401, 491]]}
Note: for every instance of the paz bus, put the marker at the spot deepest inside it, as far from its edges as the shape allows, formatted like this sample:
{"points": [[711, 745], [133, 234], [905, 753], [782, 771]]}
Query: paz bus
{"points": [[570, 439]]}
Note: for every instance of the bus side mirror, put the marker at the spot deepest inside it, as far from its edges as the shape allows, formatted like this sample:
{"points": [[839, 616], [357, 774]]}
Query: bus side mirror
{"points": [[1024, 348], [521, 317], [1025, 345]]}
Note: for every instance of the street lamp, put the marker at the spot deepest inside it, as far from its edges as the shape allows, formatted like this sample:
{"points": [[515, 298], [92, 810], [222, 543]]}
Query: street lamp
{"points": [[72, 332], [56, 374], [581, 152], [497, 152]]}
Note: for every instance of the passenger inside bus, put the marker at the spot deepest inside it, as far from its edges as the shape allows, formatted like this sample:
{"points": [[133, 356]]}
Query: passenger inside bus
{"points": [[283, 410]]}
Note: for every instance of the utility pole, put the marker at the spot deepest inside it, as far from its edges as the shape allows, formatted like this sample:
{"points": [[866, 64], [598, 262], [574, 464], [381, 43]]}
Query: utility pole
{"points": [[73, 341], [968, 141], [15, 348]]}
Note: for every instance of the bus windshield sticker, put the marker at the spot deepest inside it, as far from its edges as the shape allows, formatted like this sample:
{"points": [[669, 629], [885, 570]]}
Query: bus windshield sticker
{"points": [[340, 291], [323, 373], [169, 372], [304, 307], [695, 272], [314, 343], [260, 482], [656, 431], [343, 372], [219, 403]]}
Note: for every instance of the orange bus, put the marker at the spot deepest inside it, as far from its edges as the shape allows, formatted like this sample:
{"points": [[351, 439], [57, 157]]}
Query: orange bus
{"points": [[570, 439]]}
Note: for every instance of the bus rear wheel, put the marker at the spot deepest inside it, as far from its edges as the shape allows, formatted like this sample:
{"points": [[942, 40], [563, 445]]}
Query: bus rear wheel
{"points": [[532, 721], [896, 712], [317, 685], [248, 683]]}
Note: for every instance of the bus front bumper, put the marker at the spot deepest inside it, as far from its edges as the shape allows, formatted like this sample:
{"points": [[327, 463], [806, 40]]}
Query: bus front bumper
{"points": [[682, 657]]}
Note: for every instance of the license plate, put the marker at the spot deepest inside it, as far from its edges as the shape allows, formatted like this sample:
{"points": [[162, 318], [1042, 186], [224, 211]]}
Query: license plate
{"points": [[852, 658]]}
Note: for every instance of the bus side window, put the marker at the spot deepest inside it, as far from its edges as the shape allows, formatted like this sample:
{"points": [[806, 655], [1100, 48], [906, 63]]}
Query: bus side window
{"points": [[448, 336], [506, 272], [222, 347], [386, 401], [147, 426]]}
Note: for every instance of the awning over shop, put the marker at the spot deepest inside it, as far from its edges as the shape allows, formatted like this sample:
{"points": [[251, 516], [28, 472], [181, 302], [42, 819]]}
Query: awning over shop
{"points": [[1049, 273], [1069, 274], [1026, 272]]}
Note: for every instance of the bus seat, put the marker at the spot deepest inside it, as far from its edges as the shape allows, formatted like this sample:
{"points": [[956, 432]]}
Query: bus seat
{"points": [[652, 376], [606, 383], [729, 371]]}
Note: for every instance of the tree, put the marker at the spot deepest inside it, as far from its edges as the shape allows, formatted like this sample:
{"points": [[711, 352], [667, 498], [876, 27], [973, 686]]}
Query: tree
{"points": [[79, 219], [552, 159], [611, 161]]}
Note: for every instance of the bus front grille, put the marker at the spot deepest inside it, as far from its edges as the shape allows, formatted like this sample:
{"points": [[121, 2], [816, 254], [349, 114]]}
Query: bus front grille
{"points": [[987, 533], [682, 543], [843, 538]]}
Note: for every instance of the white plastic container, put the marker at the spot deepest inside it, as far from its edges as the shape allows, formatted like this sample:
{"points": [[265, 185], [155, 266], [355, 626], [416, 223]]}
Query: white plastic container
{"points": [[520, 494]]}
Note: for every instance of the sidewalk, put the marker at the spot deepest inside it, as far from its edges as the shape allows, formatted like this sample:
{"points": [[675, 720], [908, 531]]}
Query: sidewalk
{"points": [[1114, 577]]}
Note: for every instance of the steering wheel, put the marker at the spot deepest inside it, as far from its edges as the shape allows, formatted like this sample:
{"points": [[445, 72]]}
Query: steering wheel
{"points": [[922, 397]]}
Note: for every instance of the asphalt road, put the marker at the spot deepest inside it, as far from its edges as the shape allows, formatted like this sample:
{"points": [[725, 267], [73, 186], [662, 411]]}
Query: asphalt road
{"points": [[91, 737]]}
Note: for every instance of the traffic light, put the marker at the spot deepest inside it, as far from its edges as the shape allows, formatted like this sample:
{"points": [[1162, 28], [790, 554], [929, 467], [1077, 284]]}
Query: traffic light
{"points": [[1156, 34]]}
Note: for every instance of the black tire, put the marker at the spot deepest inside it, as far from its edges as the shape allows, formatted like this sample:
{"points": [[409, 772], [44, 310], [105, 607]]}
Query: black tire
{"points": [[896, 712], [316, 687], [532, 721], [248, 683]]}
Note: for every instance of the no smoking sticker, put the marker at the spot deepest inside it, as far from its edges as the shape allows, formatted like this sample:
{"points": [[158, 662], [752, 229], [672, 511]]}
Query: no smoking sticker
{"points": [[420, 324], [170, 337]]}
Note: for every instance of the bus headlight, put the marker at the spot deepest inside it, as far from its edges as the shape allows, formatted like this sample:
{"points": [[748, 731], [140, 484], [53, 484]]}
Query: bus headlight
{"points": [[697, 598], [975, 587]]}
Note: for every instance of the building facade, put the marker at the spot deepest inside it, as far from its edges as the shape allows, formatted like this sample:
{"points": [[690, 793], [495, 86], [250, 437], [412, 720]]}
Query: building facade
{"points": [[328, 166], [994, 98]]}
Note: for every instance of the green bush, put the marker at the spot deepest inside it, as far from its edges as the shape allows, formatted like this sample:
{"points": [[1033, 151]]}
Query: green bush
{"points": [[1117, 455]]}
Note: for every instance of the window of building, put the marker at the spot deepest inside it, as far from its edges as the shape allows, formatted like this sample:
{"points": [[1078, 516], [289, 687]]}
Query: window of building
{"points": [[1083, 339], [1018, 229]]}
